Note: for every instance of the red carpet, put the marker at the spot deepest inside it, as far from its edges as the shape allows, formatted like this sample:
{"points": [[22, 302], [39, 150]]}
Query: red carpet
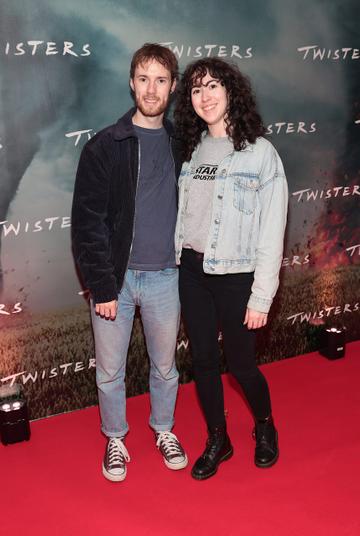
{"points": [[53, 484]]}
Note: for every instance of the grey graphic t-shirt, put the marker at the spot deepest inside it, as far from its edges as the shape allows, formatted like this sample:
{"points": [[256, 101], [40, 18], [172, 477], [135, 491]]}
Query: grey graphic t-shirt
{"points": [[199, 206]]}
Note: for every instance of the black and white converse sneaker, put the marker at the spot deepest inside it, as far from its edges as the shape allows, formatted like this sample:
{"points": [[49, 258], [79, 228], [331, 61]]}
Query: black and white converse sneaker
{"points": [[116, 456], [173, 454]]}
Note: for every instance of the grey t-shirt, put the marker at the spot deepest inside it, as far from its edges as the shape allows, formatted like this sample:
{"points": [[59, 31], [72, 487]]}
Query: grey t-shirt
{"points": [[199, 206], [156, 203]]}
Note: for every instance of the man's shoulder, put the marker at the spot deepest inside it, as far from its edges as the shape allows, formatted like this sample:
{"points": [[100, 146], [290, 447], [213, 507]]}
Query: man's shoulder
{"points": [[103, 137], [118, 131]]}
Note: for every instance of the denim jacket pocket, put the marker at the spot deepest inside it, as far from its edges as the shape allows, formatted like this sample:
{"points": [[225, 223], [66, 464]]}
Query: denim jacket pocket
{"points": [[245, 188]]}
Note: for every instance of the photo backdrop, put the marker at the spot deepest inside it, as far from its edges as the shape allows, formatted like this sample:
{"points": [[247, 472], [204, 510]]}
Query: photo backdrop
{"points": [[64, 69]]}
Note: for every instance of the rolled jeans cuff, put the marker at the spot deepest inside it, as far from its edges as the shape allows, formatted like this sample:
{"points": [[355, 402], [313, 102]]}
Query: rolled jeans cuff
{"points": [[115, 434], [161, 427]]}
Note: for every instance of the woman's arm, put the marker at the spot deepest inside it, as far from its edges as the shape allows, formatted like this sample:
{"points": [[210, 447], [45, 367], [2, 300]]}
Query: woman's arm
{"points": [[273, 199]]}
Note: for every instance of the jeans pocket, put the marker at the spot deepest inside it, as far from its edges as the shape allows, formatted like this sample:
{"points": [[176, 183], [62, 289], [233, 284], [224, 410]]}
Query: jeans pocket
{"points": [[167, 272], [245, 187]]}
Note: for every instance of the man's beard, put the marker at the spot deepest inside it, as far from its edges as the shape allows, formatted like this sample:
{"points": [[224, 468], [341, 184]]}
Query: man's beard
{"points": [[152, 110]]}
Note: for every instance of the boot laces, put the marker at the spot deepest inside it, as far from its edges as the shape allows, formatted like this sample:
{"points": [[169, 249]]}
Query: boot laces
{"points": [[212, 446], [263, 433]]}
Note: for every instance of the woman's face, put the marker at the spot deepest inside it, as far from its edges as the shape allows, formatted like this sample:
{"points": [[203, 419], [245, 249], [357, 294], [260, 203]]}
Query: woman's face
{"points": [[209, 100]]}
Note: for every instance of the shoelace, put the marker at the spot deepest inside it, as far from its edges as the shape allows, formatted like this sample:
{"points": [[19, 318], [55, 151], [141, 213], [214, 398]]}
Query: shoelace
{"points": [[169, 443], [210, 449], [263, 433], [117, 451]]}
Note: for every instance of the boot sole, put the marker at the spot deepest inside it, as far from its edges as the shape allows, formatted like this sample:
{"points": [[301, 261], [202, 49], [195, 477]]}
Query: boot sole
{"points": [[176, 466], [226, 456], [268, 464]]}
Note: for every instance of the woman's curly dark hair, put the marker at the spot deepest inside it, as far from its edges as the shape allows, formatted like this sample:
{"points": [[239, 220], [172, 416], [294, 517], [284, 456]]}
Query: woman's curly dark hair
{"points": [[243, 121]]}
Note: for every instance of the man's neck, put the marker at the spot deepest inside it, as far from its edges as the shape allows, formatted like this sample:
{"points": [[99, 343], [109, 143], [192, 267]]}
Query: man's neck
{"points": [[144, 121]]}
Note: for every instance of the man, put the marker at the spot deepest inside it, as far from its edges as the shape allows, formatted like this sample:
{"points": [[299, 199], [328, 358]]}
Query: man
{"points": [[123, 221]]}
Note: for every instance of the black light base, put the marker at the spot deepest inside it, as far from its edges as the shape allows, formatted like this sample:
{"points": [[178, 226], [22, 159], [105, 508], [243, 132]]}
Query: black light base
{"points": [[15, 429], [333, 343], [14, 420]]}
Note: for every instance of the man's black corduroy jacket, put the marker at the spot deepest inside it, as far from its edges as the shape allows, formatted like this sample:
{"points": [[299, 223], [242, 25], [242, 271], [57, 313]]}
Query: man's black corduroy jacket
{"points": [[104, 205]]}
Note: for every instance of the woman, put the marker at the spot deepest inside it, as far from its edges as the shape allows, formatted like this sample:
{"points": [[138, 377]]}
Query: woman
{"points": [[229, 242]]}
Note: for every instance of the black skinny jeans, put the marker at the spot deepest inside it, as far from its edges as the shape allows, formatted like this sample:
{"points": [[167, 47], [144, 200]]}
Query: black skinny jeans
{"points": [[210, 302]]}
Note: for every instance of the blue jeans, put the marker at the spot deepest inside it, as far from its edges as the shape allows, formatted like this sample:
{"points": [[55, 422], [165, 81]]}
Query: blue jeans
{"points": [[156, 292]]}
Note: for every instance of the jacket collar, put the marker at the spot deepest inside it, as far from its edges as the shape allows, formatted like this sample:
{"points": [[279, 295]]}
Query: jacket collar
{"points": [[124, 128]]}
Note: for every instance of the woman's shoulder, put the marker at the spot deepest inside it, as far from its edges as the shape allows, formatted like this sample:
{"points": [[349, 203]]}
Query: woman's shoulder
{"points": [[262, 144], [263, 148]]}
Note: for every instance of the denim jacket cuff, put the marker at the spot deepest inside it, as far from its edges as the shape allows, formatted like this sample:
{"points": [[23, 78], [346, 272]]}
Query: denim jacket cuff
{"points": [[259, 304]]}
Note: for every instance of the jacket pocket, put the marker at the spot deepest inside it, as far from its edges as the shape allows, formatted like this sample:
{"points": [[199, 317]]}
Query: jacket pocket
{"points": [[245, 188]]}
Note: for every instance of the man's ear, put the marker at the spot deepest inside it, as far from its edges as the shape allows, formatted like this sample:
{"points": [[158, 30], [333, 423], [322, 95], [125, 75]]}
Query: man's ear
{"points": [[173, 86], [131, 82]]}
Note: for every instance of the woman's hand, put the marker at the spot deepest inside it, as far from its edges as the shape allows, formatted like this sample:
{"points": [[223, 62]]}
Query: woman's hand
{"points": [[255, 319]]}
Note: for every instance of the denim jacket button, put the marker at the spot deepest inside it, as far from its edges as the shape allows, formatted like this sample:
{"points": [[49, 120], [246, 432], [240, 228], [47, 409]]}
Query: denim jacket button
{"points": [[213, 245], [223, 171], [217, 221], [220, 196]]}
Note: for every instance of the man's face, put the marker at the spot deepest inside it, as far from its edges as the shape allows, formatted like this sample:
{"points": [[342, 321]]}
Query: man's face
{"points": [[152, 86]]}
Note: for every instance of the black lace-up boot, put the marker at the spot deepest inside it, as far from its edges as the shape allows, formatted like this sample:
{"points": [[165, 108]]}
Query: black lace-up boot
{"points": [[266, 450], [218, 449]]}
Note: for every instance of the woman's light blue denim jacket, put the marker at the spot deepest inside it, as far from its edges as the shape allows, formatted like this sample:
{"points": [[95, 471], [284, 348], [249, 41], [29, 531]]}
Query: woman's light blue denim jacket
{"points": [[248, 218]]}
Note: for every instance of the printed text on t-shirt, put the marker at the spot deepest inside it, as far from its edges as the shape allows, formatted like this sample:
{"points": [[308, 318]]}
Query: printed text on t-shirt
{"points": [[205, 172]]}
